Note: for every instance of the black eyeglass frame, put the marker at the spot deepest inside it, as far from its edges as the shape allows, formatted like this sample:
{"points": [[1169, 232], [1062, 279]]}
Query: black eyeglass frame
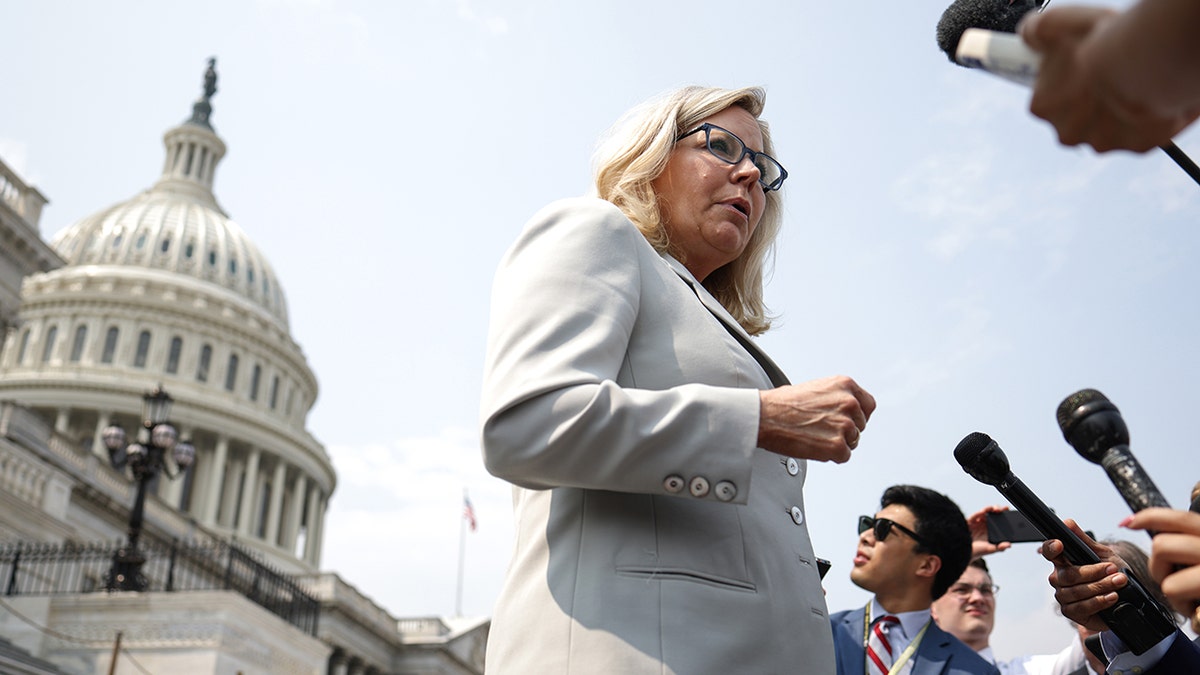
{"points": [[707, 129], [883, 527]]}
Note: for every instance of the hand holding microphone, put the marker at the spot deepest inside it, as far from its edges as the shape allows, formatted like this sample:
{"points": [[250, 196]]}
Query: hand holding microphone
{"points": [[1107, 80], [1093, 591], [1095, 428], [1114, 81]]}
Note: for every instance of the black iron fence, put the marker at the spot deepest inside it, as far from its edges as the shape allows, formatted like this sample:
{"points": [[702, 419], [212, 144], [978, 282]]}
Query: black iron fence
{"points": [[56, 569]]}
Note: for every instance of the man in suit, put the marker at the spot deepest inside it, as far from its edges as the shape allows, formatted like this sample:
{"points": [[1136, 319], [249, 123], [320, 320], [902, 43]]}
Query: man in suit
{"points": [[909, 554]]}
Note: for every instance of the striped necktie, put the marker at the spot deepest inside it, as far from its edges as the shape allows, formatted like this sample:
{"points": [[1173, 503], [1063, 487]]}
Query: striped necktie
{"points": [[880, 655]]}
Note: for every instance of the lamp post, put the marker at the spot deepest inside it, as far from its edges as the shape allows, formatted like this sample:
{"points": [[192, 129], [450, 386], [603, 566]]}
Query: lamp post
{"points": [[147, 460]]}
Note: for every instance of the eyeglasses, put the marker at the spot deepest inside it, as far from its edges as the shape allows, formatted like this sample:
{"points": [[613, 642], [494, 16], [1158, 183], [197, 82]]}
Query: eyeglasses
{"points": [[963, 591], [727, 147], [883, 527]]}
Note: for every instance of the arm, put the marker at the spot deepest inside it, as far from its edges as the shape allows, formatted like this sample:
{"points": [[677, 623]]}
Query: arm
{"points": [[1117, 80], [564, 305]]}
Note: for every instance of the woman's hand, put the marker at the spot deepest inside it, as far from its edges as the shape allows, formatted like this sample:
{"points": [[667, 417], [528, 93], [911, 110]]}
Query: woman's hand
{"points": [[1174, 553], [820, 420]]}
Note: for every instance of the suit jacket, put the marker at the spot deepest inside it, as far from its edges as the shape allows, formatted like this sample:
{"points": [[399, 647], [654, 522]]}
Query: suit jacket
{"points": [[1183, 658], [939, 653], [652, 536]]}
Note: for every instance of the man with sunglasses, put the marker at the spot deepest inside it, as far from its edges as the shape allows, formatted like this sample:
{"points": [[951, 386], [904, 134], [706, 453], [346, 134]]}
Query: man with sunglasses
{"points": [[909, 554]]}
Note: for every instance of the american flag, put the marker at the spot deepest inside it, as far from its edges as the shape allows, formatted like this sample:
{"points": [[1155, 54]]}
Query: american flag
{"points": [[469, 512]]}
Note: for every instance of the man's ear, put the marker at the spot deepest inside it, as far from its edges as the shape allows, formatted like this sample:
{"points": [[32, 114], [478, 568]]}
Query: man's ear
{"points": [[929, 566]]}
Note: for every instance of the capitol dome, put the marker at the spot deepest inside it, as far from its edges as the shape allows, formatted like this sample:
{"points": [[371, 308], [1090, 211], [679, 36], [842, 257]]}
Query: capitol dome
{"points": [[177, 226], [165, 289]]}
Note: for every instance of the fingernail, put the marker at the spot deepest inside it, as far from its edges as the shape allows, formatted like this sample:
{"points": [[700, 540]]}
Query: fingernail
{"points": [[1125, 523]]}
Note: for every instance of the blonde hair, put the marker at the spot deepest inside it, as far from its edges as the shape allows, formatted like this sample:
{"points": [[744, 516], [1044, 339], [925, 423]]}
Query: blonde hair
{"points": [[635, 152]]}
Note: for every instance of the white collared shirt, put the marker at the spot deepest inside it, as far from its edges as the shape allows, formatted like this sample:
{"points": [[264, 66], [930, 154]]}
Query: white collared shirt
{"points": [[911, 623]]}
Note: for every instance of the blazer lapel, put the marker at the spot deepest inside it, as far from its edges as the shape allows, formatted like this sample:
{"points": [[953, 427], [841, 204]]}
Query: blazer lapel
{"points": [[933, 652], [774, 372]]}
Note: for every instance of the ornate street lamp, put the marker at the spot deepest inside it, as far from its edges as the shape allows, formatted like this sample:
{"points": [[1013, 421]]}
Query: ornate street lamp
{"points": [[147, 460]]}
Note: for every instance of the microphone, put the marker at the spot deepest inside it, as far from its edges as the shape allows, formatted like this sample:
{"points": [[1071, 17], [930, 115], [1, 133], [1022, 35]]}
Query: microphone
{"points": [[1095, 428], [981, 34], [994, 15], [1137, 618]]}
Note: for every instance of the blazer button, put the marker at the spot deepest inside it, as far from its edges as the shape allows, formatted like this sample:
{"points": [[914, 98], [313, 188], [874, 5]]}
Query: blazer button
{"points": [[797, 515], [673, 484], [793, 467], [699, 486], [725, 490]]}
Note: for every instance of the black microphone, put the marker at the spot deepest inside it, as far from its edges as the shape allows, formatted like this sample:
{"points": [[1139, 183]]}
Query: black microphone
{"points": [[998, 15], [1095, 428], [1137, 618]]}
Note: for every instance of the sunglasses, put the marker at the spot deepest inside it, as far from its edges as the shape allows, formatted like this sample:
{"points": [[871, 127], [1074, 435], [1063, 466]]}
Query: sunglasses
{"points": [[883, 527]]}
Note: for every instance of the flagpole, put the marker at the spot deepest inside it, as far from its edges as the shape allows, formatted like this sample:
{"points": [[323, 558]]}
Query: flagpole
{"points": [[462, 547]]}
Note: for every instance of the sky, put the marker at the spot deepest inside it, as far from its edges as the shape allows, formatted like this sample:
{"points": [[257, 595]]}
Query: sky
{"points": [[939, 245]]}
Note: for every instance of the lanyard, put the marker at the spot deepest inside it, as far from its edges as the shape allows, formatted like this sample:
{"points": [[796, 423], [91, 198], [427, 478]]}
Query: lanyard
{"points": [[904, 655]]}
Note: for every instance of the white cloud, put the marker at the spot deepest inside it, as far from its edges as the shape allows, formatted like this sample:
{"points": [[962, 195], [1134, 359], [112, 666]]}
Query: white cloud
{"points": [[944, 190], [493, 25]]}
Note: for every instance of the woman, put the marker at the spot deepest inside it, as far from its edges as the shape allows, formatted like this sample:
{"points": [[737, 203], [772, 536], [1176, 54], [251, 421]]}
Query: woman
{"points": [[625, 400]]}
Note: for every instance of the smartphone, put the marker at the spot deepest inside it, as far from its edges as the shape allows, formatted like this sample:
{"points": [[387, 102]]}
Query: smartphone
{"points": [[1011, 526], [823, 566]]}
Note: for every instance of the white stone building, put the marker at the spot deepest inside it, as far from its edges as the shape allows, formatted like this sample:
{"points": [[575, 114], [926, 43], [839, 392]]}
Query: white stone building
{"points": [[165, 289]]}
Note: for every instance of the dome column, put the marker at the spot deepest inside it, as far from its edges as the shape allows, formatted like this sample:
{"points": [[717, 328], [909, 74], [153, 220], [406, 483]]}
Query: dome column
{"points": [[273, 511], [211, 498], [103, 420], [316, 518], [291, 530], [246, 507], [227, 516]]}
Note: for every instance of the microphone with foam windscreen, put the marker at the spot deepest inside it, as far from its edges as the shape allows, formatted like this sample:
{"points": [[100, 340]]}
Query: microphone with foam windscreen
{"points": [[982, 34], [1137, 618]]}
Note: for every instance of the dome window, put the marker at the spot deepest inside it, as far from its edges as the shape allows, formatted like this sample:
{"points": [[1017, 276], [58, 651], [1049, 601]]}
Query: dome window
{"points": [[24, 347], [110, 345], [48, 349], [212, 257], [117, 241], [141, 241], [166, 244], [274, 391], [255, 376], [250, 273], [202, 367], [231, 372], [233, 267], [189, 250], [173, 355], [143, 349], [77, 345]]}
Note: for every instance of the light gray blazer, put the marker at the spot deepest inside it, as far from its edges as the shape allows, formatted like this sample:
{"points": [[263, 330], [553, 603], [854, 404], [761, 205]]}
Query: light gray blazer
{"points": [[651, 535]]}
